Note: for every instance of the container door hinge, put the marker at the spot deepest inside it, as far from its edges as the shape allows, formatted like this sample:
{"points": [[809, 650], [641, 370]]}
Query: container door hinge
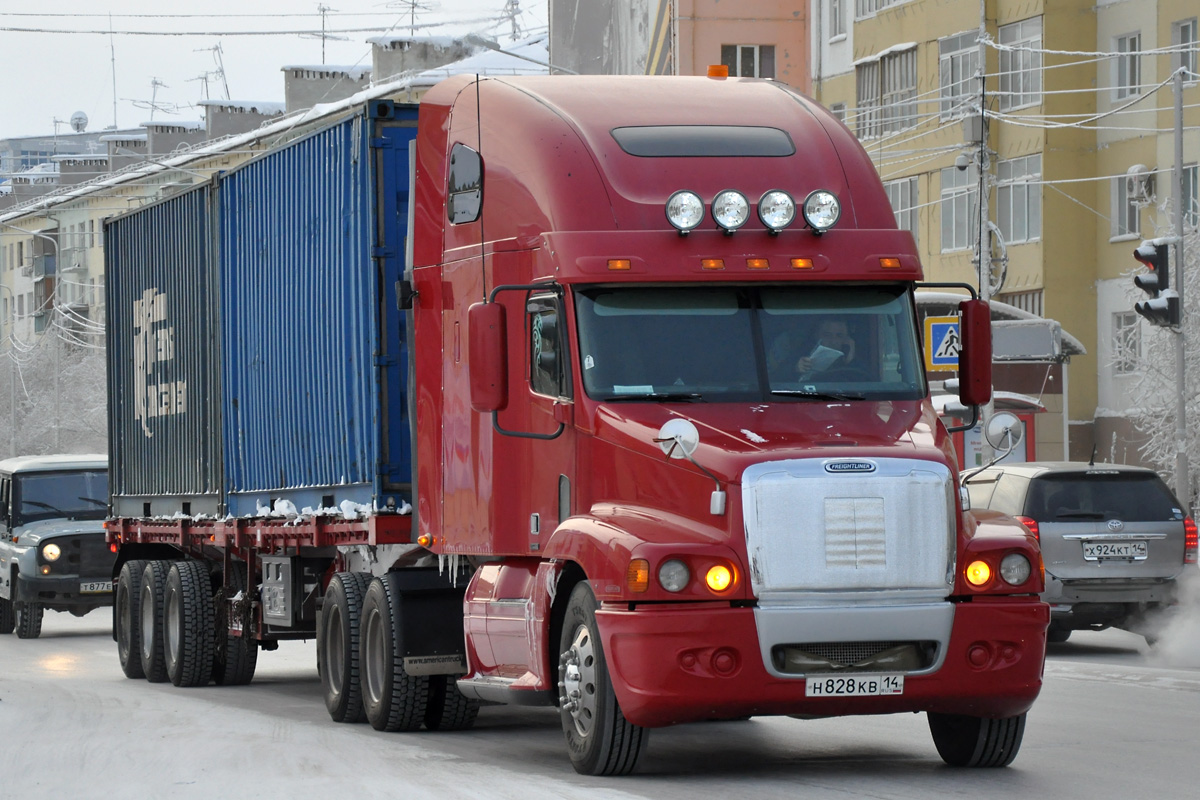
{"points": [[383, 251], [406, 295]]}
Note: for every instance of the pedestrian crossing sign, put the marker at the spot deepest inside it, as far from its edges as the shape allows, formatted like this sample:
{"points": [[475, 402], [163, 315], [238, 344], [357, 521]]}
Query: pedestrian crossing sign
{"points": [[942, 343]]}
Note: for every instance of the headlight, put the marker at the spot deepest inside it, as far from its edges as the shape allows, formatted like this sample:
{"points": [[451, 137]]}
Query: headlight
{"points": [[730, 209], [1015, 569], [776, 210], [51, 552], [821, 210], [685, 210], [673, 575]]}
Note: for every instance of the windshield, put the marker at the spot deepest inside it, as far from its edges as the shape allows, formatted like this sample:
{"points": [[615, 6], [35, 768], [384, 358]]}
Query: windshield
{"points": [[61, 495], [749, 343]]}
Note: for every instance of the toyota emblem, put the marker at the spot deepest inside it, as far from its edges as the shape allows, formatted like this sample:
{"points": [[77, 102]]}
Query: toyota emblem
{"points": [[1115, 525]]}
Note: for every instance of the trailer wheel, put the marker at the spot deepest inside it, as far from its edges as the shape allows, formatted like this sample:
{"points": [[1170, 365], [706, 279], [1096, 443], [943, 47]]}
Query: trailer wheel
{"points": [[29, 620], [600, 740], [127, 618], [338, 645], [188, 637], [393, 699], [150, 606], [234, 657], [8, 616], [448, 708], [964, 741]]}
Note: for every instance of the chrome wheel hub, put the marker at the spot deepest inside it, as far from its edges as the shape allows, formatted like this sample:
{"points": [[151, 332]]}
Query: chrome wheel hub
{"points": [[577, 681]]}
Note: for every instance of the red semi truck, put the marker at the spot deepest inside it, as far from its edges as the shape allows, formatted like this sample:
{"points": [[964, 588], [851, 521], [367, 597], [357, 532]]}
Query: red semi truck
{"points": [[603, 393]]}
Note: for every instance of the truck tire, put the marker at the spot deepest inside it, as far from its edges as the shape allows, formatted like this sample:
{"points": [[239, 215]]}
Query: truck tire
{"points": [[393, 699], [964, 741], [234, 657], [8, 616], [338, 646], [150, 624], [29, 620], [600, 740], [448, 709], [188, 635], [127, 618]]}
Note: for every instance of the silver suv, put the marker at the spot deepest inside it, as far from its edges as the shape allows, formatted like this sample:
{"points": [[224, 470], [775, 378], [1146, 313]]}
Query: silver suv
{"points": [[52, 549], [1114, 539]]}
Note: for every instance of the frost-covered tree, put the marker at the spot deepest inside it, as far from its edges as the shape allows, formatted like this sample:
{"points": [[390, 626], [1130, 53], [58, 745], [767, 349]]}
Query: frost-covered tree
{"points": [[67, 415], [1156, 393]]}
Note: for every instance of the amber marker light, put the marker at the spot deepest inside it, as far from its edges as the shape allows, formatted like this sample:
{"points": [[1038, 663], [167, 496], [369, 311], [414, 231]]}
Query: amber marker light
{"points": [[713, 263], [638, 575], [424, 540], [889, 263], [719, 577], [758, 263], [618, 263], [978, 573], [802, 263]]}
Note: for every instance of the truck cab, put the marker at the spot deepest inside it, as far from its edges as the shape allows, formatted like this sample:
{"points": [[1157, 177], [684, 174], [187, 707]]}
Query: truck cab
{"points": [[52, 549]]}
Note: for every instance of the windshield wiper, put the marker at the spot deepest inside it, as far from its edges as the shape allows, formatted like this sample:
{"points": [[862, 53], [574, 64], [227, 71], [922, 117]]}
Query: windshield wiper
{"points": [[808, 394], [102, 503], [690, 397]]}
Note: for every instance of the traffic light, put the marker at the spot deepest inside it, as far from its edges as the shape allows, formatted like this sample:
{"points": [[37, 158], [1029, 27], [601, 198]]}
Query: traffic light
{"points": [[1162, 308]]}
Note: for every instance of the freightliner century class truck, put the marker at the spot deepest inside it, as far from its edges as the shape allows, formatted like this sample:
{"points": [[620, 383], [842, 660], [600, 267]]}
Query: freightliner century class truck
{"points": [[524, 395]]}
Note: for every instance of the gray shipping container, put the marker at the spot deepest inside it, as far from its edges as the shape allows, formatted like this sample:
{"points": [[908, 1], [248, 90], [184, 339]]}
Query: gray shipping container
{"points": [[255, 349]]}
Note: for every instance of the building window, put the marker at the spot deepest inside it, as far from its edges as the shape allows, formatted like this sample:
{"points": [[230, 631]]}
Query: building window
{"points": [[1126, 342], [903, 195], [1128, 65], [837, 18], [865, 8], [749, 60], [958, 63], [1183, 39], [1125, 216], [1191, 201], [887, 94], [1019, 199], [839, 111], [1021, 68], [960, 191]]}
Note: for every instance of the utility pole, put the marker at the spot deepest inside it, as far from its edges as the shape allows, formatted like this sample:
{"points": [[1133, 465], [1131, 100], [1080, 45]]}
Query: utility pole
{"points": [[1182, 482], [985, 234]]}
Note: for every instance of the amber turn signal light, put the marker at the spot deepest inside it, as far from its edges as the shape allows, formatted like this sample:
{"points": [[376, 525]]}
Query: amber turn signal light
{"points": [[638, 575]]}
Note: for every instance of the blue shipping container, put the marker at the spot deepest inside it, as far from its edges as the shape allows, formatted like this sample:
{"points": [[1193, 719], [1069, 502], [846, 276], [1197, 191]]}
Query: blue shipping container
{"points": [[301, 339]]}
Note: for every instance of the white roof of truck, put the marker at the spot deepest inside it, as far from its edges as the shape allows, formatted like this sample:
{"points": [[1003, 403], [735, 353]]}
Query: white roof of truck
{"points": [[58, 462]]}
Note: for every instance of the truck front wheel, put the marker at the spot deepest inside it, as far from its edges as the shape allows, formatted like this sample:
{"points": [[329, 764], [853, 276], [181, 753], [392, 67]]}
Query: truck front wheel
{"points": [[600, 740], [127, 618], [394, 700], [338, 645], [29, 620], [964, 741], [188, 633]]}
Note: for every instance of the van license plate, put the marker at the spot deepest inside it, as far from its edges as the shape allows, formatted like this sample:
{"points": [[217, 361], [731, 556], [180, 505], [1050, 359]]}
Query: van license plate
{"points": [[95, 587], [1096, 551], [854, 686]]}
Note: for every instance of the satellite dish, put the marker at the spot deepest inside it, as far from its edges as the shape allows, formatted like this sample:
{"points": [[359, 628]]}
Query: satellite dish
{"points": [[79, 121]]}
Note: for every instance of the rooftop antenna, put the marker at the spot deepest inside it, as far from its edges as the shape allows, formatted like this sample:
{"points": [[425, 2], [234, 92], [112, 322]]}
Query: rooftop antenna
{"points": [[413, 6], [219, 72], [112, 47], [512, 10], [153, 104], [1092, 460], [323, 36]]}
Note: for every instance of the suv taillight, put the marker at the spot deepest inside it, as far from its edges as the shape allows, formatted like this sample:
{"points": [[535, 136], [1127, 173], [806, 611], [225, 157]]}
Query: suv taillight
{"points": [[1190, 544], [1031, 523]]}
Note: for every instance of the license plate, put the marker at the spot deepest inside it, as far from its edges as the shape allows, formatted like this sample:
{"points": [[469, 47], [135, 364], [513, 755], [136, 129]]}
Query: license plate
{"points": [[95, 587], [854, 686], [1095, 551]]}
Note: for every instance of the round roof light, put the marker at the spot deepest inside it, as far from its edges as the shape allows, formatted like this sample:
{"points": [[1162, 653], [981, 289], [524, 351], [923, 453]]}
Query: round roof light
{"points": [[731, 209], [685, 210], [777, 210], [821, 210]]}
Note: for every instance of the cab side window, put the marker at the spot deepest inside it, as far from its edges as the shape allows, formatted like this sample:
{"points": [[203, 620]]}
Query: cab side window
{"points": [[547, 348], [464, 195], [5, 493]]}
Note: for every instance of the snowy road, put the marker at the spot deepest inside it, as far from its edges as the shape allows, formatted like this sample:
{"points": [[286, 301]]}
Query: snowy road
{"points": [[1113, 721]]}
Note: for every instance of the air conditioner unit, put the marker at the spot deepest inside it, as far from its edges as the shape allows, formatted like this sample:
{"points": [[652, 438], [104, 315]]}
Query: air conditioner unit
{"points": [[1139, 183]]}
